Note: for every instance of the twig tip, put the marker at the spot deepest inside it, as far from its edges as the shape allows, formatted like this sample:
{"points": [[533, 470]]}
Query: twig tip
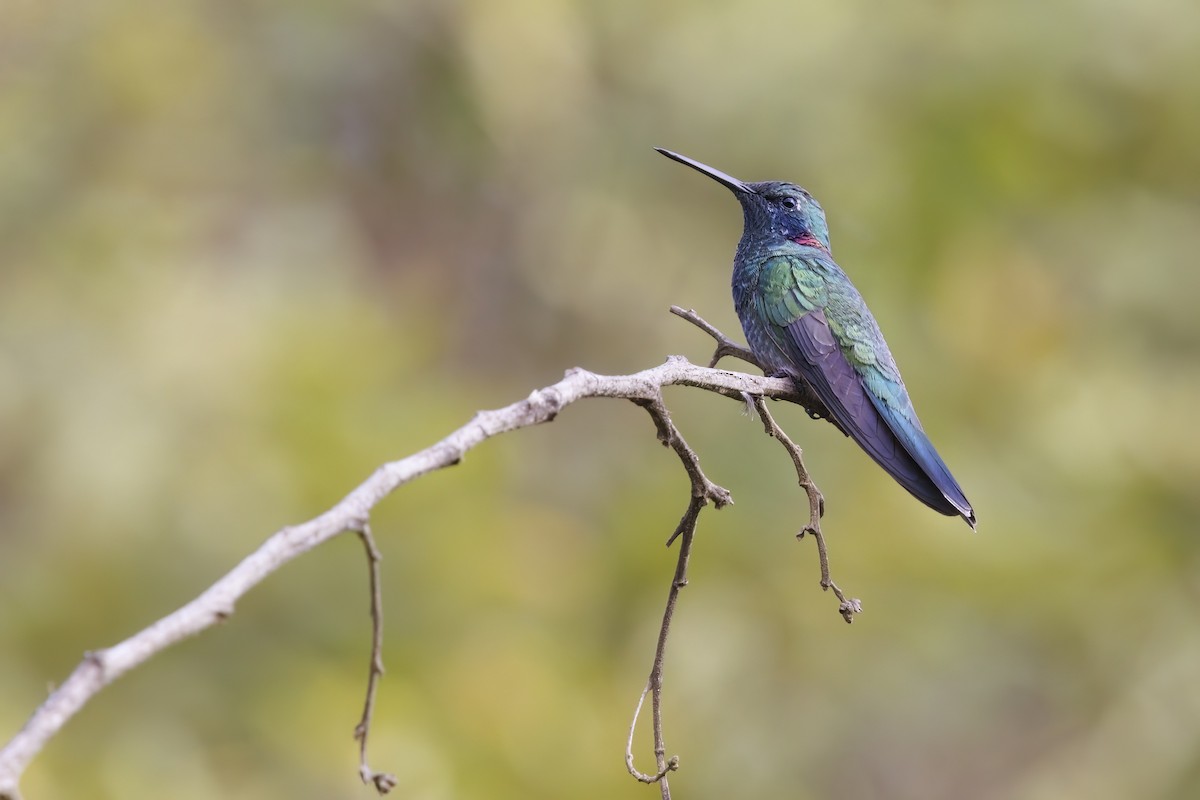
{"points": [[383, 782], [849, 608]]}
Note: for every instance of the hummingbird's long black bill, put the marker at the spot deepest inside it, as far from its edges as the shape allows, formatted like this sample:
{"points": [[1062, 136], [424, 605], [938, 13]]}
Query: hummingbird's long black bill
{"points": [[716, 174]]}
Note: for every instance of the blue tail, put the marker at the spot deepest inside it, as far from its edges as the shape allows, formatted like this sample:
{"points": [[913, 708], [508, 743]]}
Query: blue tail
{"points": [[933, 481]]}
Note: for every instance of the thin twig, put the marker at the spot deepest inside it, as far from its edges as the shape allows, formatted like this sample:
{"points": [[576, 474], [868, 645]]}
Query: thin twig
{"points": [[383, 782], [847, 607], [685, 532], [725, 345], [637, 712], [703, 490]]}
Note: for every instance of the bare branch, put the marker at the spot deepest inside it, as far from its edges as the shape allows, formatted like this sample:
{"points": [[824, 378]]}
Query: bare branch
{"points": [[383, 782], [703, 490], [686, 530], [816, 507], [101, 667]]}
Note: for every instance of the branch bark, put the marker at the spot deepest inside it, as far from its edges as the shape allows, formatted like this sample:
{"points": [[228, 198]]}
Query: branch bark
{"points": [[99, 668]]}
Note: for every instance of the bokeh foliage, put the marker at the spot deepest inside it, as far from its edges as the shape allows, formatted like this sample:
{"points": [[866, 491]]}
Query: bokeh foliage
{"points": [[250, 250]]}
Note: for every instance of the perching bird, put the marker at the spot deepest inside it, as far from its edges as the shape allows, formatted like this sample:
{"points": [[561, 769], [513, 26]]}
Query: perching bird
{"points": [[804, 319]]}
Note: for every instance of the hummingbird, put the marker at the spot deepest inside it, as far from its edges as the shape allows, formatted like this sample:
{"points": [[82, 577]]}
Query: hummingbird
{"points": [[805, 320]]}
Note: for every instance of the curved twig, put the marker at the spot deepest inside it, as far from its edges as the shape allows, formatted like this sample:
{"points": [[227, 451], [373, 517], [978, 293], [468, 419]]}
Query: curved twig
{"points": [[725, 345], [383, 782], [847, 607]]}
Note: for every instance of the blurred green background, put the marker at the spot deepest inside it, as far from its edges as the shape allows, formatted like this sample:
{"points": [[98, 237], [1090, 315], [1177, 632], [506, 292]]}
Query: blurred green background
{"points": [[251, 250]]}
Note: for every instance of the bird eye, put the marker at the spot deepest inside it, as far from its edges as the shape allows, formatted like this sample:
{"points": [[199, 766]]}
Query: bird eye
{"points": [[789, 202]]}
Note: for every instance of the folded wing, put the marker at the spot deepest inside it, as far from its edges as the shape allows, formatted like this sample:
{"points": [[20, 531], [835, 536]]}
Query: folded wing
{"points": [[895, 441]]}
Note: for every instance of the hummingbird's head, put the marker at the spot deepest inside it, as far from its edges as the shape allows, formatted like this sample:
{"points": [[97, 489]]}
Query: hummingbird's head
{"points": [[774, 210]]}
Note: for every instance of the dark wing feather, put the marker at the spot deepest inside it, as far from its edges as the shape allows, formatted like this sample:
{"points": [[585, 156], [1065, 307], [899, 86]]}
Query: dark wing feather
{"points": [[823, 366]]}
